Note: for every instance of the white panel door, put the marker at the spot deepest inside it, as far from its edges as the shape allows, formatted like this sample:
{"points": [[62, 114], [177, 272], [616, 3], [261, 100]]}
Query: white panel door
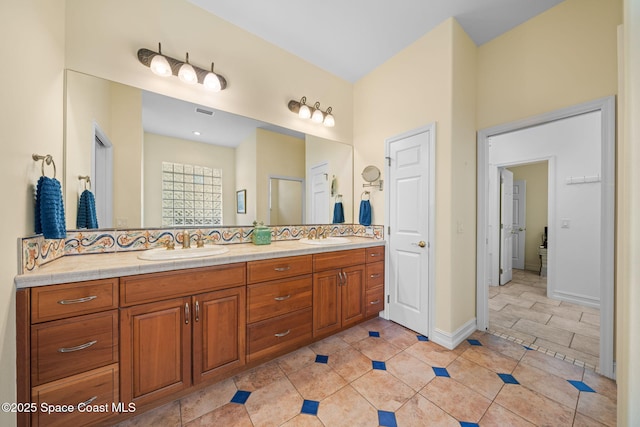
{"points": [[506, 225], [519, 222], [409, 231], [320, 194]]}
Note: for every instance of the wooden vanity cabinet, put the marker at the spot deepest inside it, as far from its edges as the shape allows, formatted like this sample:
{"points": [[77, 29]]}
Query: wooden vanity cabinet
{"points": [[279, 315], [171, 344], [338, 290], [374, 300], [71, 338]]}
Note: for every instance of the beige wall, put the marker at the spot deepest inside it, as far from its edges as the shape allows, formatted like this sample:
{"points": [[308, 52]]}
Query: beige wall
{"points": [[276, 154], [340, 159], [31, 122], [416, 87], [536, 177], [246, 178], [562, 57], [160, 148], [628, 244]]}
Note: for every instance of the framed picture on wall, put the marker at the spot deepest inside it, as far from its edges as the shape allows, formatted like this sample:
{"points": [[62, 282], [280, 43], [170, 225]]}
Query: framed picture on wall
{"points": [[241, 201]]}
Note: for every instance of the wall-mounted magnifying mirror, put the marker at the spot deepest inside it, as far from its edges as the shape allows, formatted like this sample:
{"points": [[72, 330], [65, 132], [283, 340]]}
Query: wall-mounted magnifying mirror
{"points": [[371, 174]]}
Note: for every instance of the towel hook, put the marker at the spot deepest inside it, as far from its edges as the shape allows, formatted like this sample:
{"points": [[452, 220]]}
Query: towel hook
{"points": [[338, 197], [48, 159], [365, 193], [87, 181]]}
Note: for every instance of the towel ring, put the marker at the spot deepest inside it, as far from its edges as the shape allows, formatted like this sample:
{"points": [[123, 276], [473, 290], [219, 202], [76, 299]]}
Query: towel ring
{"points": [[87, 181], [365, 193], [48, 159]]}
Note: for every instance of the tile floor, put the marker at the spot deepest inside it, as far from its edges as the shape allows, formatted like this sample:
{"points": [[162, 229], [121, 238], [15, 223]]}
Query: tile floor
{"points": [[381, 374], [520, 309]]}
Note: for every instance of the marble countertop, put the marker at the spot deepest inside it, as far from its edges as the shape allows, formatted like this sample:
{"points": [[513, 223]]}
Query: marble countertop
{"points": [[74, 268]]}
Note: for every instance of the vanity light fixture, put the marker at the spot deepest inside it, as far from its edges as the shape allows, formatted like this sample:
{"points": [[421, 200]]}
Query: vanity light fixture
{"points": [[164, 65], [315, 114]]}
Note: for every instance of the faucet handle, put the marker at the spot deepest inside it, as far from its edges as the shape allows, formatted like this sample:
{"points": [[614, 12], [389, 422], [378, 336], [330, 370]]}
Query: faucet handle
{"points": [[170, 245], [200, 241]]}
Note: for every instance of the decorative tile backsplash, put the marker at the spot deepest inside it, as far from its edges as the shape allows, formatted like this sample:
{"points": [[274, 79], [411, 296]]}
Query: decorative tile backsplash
{"points": [[37, 251]]}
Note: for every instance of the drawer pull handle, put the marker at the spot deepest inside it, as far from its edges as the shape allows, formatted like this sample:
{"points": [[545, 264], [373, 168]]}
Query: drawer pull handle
{"points": [[77, 301], [197, 311], [287, 268], [86, 402], [375, 276], [376, 254], [283, 334], [76, 348], [286, 297], [375, 302]]}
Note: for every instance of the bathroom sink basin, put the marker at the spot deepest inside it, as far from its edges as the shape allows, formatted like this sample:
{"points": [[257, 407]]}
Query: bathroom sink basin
{"points": [[327, 241], [163, 254]]}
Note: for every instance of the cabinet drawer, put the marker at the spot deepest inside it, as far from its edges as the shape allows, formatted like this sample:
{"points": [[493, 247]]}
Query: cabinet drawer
{"points": [[338, 259], [270, 336], [279, 268], [374, 301], [375, 275], [280, 297], [97, 389], [70, 346], [60, 301], [375, 254], [160, 286]]}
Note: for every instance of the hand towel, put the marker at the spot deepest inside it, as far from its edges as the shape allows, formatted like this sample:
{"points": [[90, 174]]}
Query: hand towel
{"points": [[49, 209], [365, 212], [86, 217], [338, 213]]}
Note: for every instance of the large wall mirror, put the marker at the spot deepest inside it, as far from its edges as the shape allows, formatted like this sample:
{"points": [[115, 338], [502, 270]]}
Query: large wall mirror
{"points": [[156, 161]]}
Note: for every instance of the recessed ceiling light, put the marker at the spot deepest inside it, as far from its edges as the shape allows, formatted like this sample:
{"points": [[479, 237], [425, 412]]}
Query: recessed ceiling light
{"points": [[196, 133]]}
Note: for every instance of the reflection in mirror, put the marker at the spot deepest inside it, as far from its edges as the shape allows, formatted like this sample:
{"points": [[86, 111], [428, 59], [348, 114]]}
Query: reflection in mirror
{"points": [[146, 130]]}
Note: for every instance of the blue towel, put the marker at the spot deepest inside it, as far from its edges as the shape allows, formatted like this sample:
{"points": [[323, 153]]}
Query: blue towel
{"points": [[87, 211], [365, 212], [49, 210], [338, 213]]}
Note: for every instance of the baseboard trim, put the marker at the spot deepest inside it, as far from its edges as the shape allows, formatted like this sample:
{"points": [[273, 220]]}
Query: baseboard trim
{"points": [[451, 341], [576, 298]]}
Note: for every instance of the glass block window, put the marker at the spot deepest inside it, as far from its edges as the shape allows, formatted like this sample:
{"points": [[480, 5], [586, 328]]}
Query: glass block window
{"points": [[191, 195]]}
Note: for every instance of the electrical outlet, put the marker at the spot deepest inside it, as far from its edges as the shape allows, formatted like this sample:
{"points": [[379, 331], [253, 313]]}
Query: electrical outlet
{"points": [[368, 231]]}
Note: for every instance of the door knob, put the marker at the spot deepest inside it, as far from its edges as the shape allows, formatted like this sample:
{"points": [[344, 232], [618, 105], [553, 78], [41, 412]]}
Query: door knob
{"points": [[422, 243]]}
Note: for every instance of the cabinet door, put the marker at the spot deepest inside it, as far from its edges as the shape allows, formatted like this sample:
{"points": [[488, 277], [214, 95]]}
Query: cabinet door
{"points": [[353, 295], [155, 350], [326, 302], [219, 331]]}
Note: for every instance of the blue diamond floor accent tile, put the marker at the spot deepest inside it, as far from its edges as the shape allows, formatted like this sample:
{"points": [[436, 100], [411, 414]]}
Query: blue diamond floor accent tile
{"points": [[387, 419], [441, 372], [374, 334], [422, 338], [322, 359], [381, 366], [310, 407], [508, 379], [240, 397], [467, 424], [581, 386], [527, 348], [474, 342]]}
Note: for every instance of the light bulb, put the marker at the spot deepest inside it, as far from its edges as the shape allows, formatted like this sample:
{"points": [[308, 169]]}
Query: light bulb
{"points": [[305, 111], [187, 74], [159, 64], [329, 121], [211, 81], [317, 115]]}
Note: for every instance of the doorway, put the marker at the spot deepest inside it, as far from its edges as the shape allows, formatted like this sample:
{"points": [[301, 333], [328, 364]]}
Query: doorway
{"points": [[592, 121], [410, 221], [102, 176], [286, 200]]}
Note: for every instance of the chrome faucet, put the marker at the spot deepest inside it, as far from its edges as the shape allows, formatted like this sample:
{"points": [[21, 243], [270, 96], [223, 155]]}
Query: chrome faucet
{"points": [[186, 239]]}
